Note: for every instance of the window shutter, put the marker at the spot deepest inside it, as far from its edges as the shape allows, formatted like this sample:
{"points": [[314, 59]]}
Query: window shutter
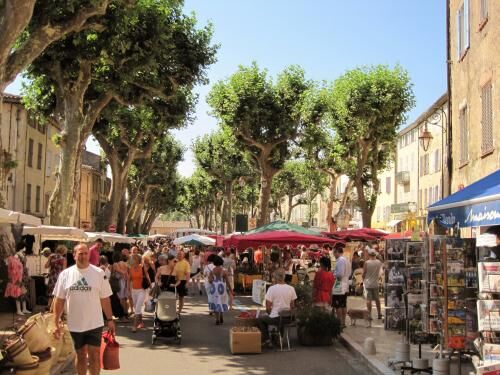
{"points": [[466, 24]]}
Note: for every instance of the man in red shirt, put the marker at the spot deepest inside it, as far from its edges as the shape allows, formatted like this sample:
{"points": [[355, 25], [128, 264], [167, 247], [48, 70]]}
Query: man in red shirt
{"points": [[95, 252]]}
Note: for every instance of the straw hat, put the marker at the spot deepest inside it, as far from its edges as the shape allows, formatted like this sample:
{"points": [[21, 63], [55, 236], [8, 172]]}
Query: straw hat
{"points": [[17, 351]]}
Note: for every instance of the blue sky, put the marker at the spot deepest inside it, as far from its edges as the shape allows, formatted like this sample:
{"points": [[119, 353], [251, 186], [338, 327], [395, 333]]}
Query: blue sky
{"points": [[326, 38]]}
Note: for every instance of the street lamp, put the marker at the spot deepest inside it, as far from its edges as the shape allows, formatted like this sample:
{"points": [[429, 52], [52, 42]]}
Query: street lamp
{"points": [[425, 138]]}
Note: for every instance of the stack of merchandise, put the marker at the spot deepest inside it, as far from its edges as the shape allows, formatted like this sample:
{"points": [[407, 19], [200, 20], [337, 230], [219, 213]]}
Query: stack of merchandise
{"points": [[33, 349], [395, 285]]}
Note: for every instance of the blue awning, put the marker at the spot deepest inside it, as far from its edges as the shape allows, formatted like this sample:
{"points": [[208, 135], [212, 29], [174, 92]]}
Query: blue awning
{"points": [[477, 204]]}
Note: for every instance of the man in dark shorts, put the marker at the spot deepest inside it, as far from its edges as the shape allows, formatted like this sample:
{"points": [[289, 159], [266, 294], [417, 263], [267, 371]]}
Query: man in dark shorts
{"points": [[85, 291], [182, 271]]}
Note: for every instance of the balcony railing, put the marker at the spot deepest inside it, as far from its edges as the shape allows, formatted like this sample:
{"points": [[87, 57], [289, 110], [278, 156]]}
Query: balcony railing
{"points": [[403, 178]]}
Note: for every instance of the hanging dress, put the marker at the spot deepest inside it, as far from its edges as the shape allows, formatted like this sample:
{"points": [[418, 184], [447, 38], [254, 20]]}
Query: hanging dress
{"points": [[15, 270]]}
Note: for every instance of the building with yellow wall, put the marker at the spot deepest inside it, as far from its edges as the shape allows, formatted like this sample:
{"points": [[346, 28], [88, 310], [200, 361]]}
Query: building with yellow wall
{"points": [[475, 93], [28, 186], [415, 180]]}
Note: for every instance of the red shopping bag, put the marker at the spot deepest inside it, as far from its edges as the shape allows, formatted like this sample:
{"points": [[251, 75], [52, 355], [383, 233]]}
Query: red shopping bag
{"points": [[110, 352]]}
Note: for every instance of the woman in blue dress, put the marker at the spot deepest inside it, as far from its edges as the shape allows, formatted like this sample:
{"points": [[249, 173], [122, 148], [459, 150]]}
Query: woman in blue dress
{"points": [[218, 287]]}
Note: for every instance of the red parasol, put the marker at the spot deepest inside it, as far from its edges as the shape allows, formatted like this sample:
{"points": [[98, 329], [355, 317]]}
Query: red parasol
{"points": [[280, 238]]}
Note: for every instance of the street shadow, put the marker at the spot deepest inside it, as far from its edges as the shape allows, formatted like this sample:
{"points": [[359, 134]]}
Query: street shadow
{"points": [[208, 344]]}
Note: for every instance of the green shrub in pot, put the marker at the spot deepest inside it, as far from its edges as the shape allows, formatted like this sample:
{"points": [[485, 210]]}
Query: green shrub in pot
{"points": [[316, 326]]}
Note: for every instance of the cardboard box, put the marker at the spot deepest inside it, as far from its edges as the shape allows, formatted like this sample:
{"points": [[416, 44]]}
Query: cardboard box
{"points": [[245, 340], [490, 369]]}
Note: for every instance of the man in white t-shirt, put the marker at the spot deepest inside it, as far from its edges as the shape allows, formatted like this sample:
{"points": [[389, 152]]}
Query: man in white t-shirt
{"points": [[84, 291], [341, 286], [279, 297]]}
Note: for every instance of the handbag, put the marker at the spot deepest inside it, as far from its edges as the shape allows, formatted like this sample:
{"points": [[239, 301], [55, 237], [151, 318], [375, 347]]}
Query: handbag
{"points": [[145, 281], [155, 291], [110, 352]]}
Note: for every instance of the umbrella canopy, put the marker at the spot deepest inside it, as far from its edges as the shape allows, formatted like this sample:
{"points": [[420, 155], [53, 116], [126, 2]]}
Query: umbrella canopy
{"points": [[283, 226], [194, 240], [49, 232], [362, 234], [476, 205], [281, 238], [109, 237], [13, 217]]}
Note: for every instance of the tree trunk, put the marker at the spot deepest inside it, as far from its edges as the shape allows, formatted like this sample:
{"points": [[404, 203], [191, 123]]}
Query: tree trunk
{"points": [[223, 215], [136, 209], [16, 15], [65, 197], [197, 217], [122, 215], [148, 222], [211, 217], [331, 200], [229, 208], [290, 208], [112, 208], [206, 216], [366, 212], [266, 178]]}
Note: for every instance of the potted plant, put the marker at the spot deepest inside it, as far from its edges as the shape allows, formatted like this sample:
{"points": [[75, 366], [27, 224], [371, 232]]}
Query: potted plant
{"points": [[317, 327]]}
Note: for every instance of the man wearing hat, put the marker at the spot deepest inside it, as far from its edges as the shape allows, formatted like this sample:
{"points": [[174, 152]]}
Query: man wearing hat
{"points": [[371, 273]]}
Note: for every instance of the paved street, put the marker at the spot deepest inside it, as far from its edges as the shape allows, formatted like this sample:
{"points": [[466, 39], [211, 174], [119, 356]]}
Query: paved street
{"points": [[205, 350]]}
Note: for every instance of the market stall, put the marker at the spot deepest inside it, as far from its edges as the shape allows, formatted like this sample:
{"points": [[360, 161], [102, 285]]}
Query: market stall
{"points": [[55, 233], [280, 238], [194, 240], [13, 217], [112, 238], [281, 225]]}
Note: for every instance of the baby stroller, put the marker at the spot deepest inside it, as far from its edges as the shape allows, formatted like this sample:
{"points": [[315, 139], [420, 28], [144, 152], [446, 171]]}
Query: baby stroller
{"points": [[166, 321]]}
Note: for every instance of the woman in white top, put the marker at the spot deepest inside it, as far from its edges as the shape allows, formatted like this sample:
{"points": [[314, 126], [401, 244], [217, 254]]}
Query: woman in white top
{"points": [[196, 270]]}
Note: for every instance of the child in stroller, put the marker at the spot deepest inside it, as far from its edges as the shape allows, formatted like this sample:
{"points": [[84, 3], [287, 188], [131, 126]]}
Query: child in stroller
{"points": [[166, 321]]}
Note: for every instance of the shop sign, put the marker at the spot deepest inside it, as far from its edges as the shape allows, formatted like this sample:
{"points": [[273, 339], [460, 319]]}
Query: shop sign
{"points": [[468, 216], [398, 208]]}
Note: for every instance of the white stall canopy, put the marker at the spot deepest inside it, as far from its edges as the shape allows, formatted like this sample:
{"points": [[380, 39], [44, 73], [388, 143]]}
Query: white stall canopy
{"points": [[48, 232], [109, 237], [13, 217]]}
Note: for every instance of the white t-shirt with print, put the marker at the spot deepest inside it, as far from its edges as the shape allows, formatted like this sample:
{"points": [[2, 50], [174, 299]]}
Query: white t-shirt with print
{"points": [[83, 289], [342, 272], [281, 296]]}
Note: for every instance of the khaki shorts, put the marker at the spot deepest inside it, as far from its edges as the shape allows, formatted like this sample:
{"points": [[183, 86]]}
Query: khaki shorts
{"points": [[372, 294]]}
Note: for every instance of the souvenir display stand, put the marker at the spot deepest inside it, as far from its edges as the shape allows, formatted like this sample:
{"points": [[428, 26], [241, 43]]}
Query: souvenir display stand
{"points": [[431, 296], [452, 292], [395, 285], [488, 308], [404, 298]]}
